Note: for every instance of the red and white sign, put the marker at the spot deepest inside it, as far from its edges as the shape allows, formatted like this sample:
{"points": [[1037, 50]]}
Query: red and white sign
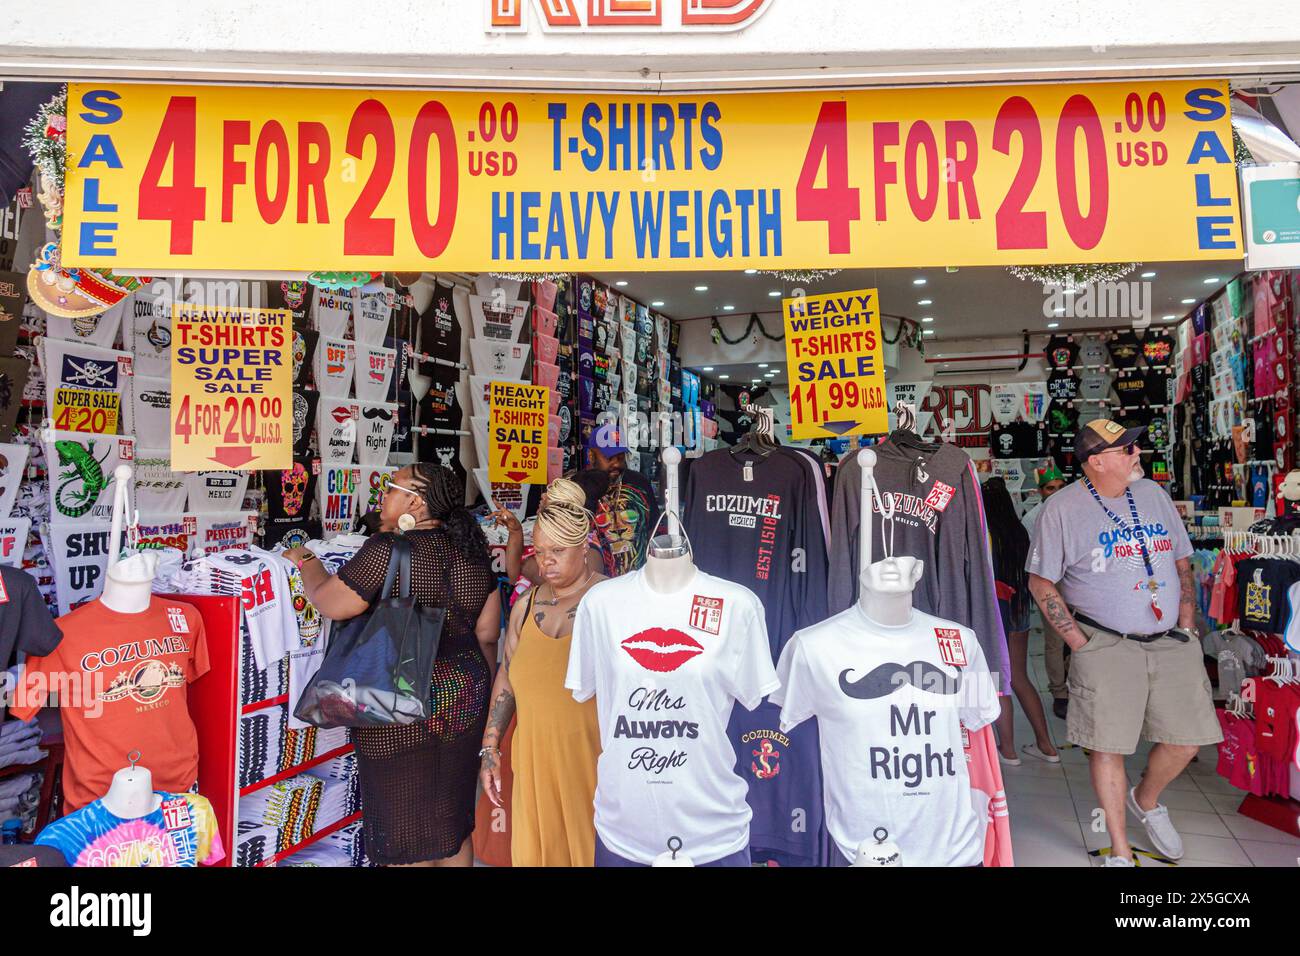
{"points": [[940, 495], [706, 614], [626, 16], [176, 813], [950, 647]]}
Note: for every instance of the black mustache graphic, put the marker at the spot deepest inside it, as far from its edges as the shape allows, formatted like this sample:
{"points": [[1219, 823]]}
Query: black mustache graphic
{"points": [[890, 677], [377, 411]]}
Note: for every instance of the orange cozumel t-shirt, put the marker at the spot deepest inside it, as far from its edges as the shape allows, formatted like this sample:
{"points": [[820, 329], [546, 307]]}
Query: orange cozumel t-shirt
{"points": [[121, 683]]}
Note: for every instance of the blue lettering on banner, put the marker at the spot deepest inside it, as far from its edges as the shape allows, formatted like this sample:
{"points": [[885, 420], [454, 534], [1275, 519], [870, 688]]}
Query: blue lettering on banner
{"points": [[96, 239], [675, 222], [1205, 105]]}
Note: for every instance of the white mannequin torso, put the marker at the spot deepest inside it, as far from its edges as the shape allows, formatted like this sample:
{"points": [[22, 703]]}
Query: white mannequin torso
{"points": [[669, 575], [128, 586], [885, 590], [130, 795]]}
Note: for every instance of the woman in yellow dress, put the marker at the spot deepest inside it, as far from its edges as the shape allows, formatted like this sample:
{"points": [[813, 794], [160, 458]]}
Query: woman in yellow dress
{"points": [[556, 740]]}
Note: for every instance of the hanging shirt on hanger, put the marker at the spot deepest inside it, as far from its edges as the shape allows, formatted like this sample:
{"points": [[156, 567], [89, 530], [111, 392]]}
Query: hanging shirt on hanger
{"points": [[665, 670], [939, 518]]}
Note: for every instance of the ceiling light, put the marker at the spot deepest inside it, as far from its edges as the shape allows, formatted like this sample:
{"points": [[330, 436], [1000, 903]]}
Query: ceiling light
{"points": [[763, 364], [928, 318], [751, 272], [928, 332], [1170, 318], [1213, 280], [925, 302], [755, 381], [769, 374], [1189, 301], [728, 308], [707, 368], [1053, 325], [724, 376], [919, 281], [1148, 275], [701, 288], [621, 283], [774, 294], [659, 304]]}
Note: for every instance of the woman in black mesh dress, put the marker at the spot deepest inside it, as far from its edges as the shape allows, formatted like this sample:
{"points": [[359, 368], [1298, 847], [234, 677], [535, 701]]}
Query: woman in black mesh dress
{"points": [[418, 780]]}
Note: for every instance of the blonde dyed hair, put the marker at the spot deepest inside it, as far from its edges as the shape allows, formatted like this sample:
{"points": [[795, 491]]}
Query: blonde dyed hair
{"points": [[564, 518]]}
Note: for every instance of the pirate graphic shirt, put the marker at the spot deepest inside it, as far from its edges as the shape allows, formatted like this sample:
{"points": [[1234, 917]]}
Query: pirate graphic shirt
{"points": [[890, 703], [665, 670], [128, 674]]}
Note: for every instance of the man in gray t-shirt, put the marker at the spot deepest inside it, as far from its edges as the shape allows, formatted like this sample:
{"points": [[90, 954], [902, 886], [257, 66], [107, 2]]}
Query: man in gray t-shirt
{"points": [[1109, 567]]}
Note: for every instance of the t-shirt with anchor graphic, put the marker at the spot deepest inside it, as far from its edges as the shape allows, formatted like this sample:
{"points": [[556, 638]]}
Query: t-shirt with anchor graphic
{"points": [[127, 676], [665, 670], [1262, 587], [890, 703]]}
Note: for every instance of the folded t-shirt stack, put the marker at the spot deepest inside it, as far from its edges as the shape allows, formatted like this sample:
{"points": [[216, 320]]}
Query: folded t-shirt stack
{"points": [[19, 797], [20, 743]]}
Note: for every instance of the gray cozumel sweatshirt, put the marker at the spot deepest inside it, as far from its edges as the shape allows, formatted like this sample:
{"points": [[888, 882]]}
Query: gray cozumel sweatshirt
{"points": [[938, 518]]}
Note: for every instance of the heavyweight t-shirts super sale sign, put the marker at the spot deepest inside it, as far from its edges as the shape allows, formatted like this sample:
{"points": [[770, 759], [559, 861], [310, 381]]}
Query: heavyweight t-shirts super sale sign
{"points": [[228, 178], [232, 388]]}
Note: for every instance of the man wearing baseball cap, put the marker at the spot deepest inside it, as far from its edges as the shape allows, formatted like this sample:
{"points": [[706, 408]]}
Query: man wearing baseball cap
{"points": [[1109, 569], [630, 508]]}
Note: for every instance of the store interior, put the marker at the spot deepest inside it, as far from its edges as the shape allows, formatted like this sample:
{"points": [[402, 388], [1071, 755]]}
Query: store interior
{"points": [[395, 368]]}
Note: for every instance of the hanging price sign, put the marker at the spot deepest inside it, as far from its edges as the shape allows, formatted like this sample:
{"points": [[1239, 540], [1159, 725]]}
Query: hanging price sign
{"points": [[837, 368], [232, 389], [518, 432], [224, 178]]}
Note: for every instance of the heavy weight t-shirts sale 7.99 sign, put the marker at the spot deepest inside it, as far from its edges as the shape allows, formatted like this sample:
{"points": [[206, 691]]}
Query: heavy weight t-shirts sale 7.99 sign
{"points": [[226, 178]]}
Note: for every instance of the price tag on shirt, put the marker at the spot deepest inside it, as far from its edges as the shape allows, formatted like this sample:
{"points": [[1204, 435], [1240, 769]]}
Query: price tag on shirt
{"points": [[4, 593], [950, 646], [176, 814], [940, 495], [706, 614]]}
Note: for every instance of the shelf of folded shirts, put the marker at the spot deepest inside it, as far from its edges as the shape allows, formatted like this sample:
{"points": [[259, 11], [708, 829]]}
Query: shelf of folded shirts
{"points": [[426, 357], [294, 771], [318, 835], [264, 704]]}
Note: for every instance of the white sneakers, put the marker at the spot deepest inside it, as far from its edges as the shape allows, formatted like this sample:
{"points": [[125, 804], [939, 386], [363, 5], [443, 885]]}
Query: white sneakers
{"points": [[1118, 861], [1158, 826]]}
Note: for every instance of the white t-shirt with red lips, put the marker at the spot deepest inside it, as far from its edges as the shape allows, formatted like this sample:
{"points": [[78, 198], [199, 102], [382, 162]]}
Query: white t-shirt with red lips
{"points": [[665, 670]]}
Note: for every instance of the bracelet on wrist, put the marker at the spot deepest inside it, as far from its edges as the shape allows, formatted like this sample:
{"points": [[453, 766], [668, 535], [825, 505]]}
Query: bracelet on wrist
{"points": [[488, 750]]}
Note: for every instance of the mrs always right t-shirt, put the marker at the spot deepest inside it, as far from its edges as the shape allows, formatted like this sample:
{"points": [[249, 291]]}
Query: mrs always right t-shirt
{"points": [[665, 670]]}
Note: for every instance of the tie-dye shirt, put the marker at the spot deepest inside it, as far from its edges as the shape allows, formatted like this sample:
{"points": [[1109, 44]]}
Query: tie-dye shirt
{"points": [[181, 832]]}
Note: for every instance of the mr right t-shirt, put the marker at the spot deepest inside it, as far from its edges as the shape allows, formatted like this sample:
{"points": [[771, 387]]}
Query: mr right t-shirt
{"points": [[889, 703], [665, 670]]}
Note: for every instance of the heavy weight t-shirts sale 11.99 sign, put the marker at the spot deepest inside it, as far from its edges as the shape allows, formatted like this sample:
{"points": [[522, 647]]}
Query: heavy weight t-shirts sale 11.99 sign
{"points": [[228, 179]]}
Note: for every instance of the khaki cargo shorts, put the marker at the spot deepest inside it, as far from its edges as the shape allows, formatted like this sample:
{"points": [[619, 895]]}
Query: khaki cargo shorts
{"points": [[1122, 690]]}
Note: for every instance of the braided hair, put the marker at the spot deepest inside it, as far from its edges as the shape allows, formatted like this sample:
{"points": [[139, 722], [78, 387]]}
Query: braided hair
{"points": [[444, 497]]}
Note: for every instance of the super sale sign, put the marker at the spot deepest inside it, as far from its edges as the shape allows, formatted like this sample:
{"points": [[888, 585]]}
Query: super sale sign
{"points": [[224, 178], [837, 371], [232, 388]]}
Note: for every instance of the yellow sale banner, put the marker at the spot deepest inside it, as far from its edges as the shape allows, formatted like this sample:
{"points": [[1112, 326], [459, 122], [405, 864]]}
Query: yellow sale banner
{"points": [[518, 432], [837, 370], [232, 388], [225, 178]]}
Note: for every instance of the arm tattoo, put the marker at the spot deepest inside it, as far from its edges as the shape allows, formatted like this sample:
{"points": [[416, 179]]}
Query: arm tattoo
{"points": [[503, 708], [1057, 614], [1187, 599]]}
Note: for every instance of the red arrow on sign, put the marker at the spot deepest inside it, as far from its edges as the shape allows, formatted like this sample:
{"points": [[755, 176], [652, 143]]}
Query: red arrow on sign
{"points": [[232, 456], [516, 475]]}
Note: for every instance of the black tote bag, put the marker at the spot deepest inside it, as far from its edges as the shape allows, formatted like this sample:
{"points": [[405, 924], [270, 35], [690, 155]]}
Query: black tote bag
{"points": [[378, 666]]}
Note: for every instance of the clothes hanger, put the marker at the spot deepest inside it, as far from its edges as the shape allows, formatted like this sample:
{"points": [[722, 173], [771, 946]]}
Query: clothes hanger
{"points": [[758, 440]]}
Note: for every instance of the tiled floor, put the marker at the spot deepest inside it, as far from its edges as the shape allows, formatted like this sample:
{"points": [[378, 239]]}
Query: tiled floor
{"points": [[1054, 820]]}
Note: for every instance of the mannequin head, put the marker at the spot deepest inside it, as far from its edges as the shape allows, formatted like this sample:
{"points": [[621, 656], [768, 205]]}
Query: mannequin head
{"points": [[897, 575], [136, 569]]}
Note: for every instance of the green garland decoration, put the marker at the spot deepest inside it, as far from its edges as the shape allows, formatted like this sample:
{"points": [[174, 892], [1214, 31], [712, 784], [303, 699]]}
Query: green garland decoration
{"points": [[1074, 276], [45, 137], [720, 336]]}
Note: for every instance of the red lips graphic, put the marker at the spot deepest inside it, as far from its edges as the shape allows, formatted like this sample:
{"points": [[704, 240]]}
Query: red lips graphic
{"points": [[662, 649], [342, 414]]}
